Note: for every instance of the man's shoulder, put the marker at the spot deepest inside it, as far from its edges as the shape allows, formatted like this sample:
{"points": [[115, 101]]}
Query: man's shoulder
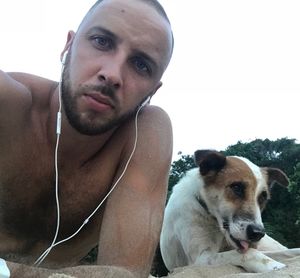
{"points": [[155, 120], [20, 94], [33, 83], [156, 112], [152, 130], [24, 88], [150, 120], [26, 79]]}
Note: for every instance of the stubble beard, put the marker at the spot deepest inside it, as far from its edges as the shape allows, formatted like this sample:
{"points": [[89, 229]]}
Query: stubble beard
{"points": [[93, 124]]}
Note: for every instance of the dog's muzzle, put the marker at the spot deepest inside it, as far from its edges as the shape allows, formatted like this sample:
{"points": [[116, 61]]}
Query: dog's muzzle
{"points": [[255, 232]]}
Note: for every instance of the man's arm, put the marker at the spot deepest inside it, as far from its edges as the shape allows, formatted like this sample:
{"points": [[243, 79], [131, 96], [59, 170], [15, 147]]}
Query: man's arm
{"points": [[15, 100], [12, 92], [134, 212]]}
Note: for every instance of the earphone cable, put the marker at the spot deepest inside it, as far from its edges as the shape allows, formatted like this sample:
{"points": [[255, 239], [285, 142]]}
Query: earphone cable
{"points": [[53, 244], [58, 131]]}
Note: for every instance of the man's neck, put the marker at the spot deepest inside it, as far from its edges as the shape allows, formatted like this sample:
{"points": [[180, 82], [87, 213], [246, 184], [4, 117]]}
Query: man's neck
{"points": [[73, 144]]}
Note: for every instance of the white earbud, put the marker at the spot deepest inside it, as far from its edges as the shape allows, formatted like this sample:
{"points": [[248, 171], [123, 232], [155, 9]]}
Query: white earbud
{"points": [[63, 60], [145, 102]]}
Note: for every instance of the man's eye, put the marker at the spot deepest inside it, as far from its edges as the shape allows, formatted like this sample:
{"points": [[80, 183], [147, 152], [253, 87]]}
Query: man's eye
{"points": [[102, 42], [141, 66]]}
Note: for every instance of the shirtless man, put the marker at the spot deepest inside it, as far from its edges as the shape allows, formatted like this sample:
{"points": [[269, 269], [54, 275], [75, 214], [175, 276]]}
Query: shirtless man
{"points": [[114, 62]]}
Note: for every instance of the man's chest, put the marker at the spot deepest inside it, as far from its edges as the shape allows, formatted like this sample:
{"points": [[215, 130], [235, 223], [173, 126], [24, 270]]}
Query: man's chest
{"points": [[29, 195]]}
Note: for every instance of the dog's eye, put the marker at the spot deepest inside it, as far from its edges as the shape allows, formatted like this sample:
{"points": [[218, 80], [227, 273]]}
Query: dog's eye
{"points": [[262, 198], [238, 189]]}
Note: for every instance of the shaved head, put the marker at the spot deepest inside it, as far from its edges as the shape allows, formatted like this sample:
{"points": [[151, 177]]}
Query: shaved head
{"points": [[153, 3]]}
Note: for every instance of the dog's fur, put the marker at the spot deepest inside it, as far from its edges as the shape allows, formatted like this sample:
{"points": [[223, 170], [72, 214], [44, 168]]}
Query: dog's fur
{"points": [[213, 216]]}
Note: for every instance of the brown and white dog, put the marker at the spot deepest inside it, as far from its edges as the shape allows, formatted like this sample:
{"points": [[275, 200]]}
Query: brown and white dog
{"points": [[213, 216]]}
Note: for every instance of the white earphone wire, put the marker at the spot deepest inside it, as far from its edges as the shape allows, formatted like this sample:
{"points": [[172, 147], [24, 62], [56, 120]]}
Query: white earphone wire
{"points": [[54, 243], [58, 131]]}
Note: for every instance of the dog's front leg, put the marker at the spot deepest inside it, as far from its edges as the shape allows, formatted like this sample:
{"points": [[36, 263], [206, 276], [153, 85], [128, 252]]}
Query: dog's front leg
{"points": [[252, 261], [269, 244], [255, 261]]}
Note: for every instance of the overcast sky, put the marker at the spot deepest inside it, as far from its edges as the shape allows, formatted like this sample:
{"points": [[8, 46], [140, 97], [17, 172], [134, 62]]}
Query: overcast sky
{"points": [[235, 72]]}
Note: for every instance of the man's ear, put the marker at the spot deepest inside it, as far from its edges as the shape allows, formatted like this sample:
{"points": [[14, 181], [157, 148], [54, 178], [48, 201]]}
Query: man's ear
{"points": [[156, 88], [70, 38]]}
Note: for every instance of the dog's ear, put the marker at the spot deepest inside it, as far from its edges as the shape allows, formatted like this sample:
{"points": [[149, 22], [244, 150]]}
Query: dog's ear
{"points": [[209, 160], [276, 175]]}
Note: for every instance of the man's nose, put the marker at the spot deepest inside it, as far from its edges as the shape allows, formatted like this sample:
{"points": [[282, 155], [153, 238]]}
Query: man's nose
{"points": [[111, 73]]}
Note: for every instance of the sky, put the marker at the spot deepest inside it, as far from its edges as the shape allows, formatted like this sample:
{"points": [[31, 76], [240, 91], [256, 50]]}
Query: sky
{"points": [[234, 75]]}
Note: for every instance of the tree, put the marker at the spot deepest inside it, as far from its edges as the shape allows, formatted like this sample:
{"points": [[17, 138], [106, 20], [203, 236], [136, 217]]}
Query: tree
{"points": [[283, 153], [178, 170], [295, 191]]}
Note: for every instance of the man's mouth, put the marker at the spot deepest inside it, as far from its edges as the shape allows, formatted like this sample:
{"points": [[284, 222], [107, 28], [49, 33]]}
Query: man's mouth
{"points": [[99, 98], [242, 245], [98, 102]]}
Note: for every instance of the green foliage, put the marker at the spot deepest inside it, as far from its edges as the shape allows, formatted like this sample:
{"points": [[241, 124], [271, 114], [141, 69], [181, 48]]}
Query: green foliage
{"points": [[178, 169], [91, 257], [294, 189], [282, 214]]}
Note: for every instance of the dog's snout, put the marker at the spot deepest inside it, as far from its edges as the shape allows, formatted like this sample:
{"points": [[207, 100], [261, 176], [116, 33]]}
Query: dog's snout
{"points": [[255, 232]]}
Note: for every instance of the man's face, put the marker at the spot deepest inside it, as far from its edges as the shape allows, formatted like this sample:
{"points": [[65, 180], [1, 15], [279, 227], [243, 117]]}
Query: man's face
{"points": [[116, 60]]}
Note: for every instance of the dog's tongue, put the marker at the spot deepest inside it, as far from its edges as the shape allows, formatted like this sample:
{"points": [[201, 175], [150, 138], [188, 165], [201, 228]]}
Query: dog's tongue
{"points": [[245, 245]]}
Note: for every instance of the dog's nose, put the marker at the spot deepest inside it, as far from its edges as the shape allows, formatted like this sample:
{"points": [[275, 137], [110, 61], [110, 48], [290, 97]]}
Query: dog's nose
{"points": [[255, 232]]}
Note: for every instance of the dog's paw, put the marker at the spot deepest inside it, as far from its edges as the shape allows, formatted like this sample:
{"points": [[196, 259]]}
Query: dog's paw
{"points": [[255, 261], [274, 265]]}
